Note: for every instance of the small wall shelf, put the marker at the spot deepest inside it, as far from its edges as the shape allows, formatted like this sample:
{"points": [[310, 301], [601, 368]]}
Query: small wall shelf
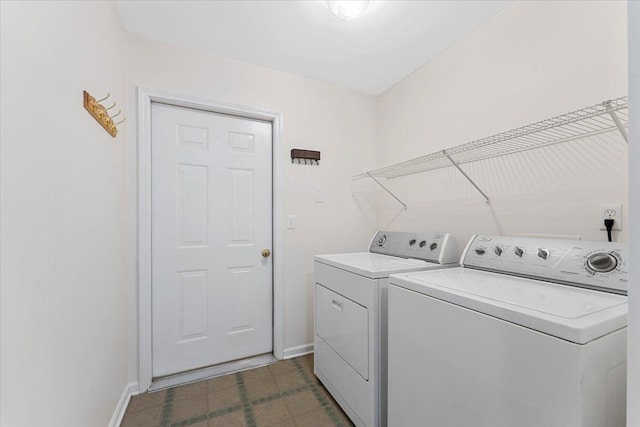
{"points": [[607, 116]]}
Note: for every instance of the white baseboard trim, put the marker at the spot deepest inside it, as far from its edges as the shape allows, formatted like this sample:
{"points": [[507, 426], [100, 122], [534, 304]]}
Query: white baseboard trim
{"points": [[299, 350], [130, 390]]}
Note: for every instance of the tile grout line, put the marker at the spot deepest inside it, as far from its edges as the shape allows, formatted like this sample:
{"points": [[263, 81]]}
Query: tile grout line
{"points": [[223, 411], [190, 421], [167, 408], [245, 402], [316, 393], [230, 409]]}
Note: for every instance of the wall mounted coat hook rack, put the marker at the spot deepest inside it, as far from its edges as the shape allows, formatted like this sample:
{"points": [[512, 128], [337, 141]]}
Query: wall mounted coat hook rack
{"points": [[100, 113], [307, 156]]}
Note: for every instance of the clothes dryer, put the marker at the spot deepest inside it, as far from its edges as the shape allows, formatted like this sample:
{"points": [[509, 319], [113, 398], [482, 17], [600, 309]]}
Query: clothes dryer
{"points": [[527, 332], [350, 316]]}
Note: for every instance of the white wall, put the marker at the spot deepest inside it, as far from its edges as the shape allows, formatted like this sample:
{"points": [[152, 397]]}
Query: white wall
{"points": [[532, 61], [317, 116], [63, 182], [63, 356], [633, 395]]}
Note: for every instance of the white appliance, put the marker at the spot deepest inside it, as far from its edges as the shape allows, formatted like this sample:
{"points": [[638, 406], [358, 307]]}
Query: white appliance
{"points": [[527, 333], [350, 316]]}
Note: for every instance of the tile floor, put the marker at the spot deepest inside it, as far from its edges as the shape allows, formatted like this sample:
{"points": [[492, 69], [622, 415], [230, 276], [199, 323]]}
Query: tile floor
{"points": [[284, 394]]}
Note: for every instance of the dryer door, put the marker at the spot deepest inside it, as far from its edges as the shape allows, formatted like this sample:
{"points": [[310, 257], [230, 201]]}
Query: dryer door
{"points": [[343, 325]]}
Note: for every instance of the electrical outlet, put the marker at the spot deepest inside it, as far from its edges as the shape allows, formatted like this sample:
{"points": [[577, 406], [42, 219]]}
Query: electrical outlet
{"points": [[611, 211]]}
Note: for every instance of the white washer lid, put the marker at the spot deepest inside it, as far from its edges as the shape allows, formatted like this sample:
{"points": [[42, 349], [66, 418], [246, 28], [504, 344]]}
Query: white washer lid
{"points": [[573, 314], [375, 266]]}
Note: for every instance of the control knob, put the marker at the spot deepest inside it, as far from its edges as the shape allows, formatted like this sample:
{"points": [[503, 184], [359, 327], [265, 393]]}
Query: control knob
{"points": [[422, 244], [480, 250], [602, 262], [382, 239], [543, 253], [412, 242], [498, 250], [518, 251], [433, 246]]}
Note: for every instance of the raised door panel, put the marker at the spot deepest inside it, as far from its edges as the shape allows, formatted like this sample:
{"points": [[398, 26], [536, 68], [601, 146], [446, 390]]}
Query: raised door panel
{"points": [[192, 205], [241, 206], [192, 305]]}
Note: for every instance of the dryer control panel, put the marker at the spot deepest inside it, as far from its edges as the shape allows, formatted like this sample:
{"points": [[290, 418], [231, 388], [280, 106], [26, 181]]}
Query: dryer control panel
{"points": [[598, 265], [428, 246]]}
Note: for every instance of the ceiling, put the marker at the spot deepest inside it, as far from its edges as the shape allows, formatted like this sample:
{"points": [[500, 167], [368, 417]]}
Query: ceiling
{"points": [[389, 41]]}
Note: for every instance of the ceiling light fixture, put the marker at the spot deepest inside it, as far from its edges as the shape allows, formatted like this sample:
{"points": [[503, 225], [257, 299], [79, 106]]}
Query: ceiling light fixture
{"points": [[348, 9]]}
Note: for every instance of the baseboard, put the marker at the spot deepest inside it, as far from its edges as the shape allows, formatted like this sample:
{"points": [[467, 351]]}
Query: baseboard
{"points": [[299, 350], [130, 389]]}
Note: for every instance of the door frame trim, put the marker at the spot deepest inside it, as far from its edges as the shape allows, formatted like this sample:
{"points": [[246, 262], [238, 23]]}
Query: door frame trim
{"points": [[145, 97]]}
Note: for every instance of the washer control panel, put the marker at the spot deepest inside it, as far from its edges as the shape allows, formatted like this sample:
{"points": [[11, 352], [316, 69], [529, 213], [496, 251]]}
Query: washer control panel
{"points": [[428, 246], [601, 265]]}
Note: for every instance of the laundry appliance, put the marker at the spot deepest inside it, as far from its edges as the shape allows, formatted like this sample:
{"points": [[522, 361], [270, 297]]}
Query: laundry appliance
{"points": [[350, 316], [527, 332]]}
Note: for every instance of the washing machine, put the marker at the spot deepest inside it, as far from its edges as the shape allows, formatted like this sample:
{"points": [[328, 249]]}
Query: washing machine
{"points": [[350, 316], [527, 333]]}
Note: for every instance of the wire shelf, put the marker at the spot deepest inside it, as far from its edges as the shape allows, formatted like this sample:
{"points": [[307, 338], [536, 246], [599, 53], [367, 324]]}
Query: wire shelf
{"points": [[601, 118]]}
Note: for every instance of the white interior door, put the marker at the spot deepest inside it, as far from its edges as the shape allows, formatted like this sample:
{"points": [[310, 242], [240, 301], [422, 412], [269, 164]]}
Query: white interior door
{"points": [[211, 194]]}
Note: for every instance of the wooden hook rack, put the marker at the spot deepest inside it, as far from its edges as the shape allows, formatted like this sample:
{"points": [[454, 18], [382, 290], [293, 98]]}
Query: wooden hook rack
{"points": [[310, 156], [101, 113]]}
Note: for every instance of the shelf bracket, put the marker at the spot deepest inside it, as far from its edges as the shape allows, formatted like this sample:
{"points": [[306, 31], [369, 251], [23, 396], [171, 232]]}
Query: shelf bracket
{"points": [[618, 123], [404, 206], [486, 198]]}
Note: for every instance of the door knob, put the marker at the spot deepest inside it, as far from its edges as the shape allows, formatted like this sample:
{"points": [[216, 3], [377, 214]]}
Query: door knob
{"points": [[266, 253]]}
